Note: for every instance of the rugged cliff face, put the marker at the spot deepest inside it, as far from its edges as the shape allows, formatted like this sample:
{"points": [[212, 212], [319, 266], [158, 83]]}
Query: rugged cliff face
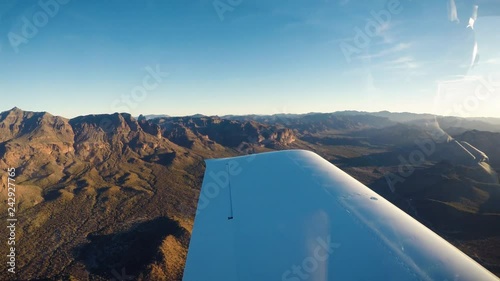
{"points": [[191, 131], [39, 146], [313, 123], [94, 175]]}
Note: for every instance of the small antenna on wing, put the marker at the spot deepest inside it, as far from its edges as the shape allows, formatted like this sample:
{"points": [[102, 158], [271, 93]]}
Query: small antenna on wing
{"points": [[230, 193]]}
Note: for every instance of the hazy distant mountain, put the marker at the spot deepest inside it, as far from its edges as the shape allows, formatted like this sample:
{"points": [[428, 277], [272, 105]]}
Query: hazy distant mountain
{"points": [[393, 116], [152, 116], [159, 116], [453, 124], [358, 119], [495, 121]]}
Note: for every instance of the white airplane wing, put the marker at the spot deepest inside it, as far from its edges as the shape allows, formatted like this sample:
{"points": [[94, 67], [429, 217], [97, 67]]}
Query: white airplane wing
{"points": [[291, 216]]}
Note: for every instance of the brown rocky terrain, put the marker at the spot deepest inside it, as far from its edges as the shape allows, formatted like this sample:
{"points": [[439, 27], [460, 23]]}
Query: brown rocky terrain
{"points": [[98, 176], [202, 131]]}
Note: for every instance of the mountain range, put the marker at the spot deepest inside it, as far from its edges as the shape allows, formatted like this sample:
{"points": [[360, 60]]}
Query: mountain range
{"points": [[103, 196]]}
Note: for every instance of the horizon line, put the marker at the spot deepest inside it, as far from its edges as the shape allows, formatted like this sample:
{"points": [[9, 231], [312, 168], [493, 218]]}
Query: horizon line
{"points": [[249, 114]]}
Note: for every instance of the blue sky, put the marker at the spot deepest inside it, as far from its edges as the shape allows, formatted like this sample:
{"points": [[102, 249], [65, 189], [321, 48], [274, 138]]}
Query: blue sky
{"points": [[76, 57]]}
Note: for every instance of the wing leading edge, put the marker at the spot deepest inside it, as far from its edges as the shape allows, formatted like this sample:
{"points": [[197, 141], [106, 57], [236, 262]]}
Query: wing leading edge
{"points": [[291, 215]]}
